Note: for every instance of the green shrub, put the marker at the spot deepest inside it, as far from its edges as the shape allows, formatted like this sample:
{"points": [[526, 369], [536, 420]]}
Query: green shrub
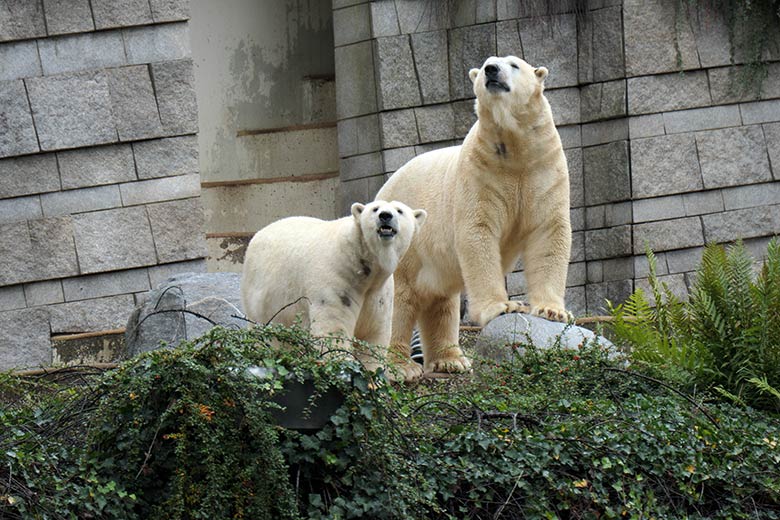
{"points": [[726, 336]]}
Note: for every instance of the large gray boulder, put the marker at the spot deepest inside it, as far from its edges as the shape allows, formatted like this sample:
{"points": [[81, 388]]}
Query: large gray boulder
{"points": [[508, 333], [183, 307]]}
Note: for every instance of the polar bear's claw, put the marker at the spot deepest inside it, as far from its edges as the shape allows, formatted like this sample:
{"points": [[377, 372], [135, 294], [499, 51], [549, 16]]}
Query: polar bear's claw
{"points": [[500, 308], [407, 372], [449, 365], [553, 314]]}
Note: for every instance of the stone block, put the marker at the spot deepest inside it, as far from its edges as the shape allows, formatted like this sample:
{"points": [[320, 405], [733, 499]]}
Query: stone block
{"points": [[666, 235], [684, 260], [751, 196], [772, 136], [551, 41], [96, 166], [429, 147], [618, 269], [464, 117], [155, 43], [575, 301], [114, 239], [577, 218], [394, 158], [661, 208], [506, 9], [576, 188], [12, 297], [571, 136], [577, 246], [177, 227], [399, 128], [121, 13], [595, 271], [675, 283], [655, 31], [508, 39], [760, 112], [618, 214], [742, 223], [699, 203], [157, 190], [43, 293], [597, 295], [21, 19], [105, 284], [565, 105], [159, 273], [91, 315], [28, 175], [606, 173], [17, 133], [80, 200], [395, 73], [469, 48], [735, 84], [432, 65], [594, 217], [462, 13], [604, 132], [662, 93], [72, 110], [133, 103], [486, 11], [19, 60], [81, 52], [664, 165], [355, 83], [600, 46], [701, 119], [359, 135], [575, 274], [351, 24], [603, 100], [20, 208], [516, 283], [646, 126], [174, 84], [37, 250], [166, 157], [68, 16], [384, 19], [712, 40], [608, 243], [24, 339], [170, 10], [642, 265], [359, 166], [733, 156], [418, 17], [435, 122], [338, 4]]}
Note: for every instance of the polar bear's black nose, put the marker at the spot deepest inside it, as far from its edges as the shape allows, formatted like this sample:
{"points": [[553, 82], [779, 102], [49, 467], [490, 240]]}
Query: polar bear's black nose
{"points": [[385, 216], [491, 70]]}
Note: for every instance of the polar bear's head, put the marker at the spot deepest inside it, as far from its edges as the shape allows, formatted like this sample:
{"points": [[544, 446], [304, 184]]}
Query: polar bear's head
{"points": [[388, 225], [508, 84]]}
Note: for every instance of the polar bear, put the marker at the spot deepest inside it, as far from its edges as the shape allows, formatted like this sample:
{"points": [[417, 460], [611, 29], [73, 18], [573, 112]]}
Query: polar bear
{"points": [[337, 276], [500, 196]]}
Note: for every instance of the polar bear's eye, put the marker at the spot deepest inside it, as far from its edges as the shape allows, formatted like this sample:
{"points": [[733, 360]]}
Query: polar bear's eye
{"points": [[375, 209], [515, 66], [400, 211]]}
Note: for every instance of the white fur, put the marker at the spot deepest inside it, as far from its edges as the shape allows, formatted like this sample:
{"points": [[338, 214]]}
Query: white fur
{"points": [[502, 195], [340, 272]]}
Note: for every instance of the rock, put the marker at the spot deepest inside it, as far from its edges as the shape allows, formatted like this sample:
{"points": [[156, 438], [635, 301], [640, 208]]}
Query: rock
{"points": [[523, 329], [208, 299]]}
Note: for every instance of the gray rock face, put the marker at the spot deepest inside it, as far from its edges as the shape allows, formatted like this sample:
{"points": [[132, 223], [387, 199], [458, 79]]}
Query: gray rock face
{"points": [[508, 333], [214, 296]]}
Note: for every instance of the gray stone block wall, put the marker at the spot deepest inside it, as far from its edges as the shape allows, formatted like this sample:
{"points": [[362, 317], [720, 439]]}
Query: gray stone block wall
{"points": [[656, 156], [99, 175]]}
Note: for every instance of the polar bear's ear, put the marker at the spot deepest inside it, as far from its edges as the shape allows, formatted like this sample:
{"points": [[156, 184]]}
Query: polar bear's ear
{"points": [[473, 74], [357, 209], [541, 73], [420, 215]]}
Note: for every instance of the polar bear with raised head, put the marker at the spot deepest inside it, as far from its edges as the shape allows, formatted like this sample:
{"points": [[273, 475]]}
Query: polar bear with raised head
{"points": [[501, 196], [335, 276]]}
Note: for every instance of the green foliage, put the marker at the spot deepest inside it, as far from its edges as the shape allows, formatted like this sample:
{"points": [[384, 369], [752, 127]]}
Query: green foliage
{"points": [[187, 433], [726, 336]]}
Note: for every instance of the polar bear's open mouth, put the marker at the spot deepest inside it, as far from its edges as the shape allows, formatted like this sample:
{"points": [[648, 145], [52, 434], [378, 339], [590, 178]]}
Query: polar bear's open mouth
{"points": [[386, 231], [493, 85]]}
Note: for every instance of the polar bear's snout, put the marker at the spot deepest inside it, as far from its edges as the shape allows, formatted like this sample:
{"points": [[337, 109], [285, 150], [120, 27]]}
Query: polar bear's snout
{"points": [[387, 225], [494, 79]]}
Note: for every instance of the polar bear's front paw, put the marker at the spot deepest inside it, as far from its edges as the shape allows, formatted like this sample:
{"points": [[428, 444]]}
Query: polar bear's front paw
{"points": [[553, 314], [406, 371], [449, 360], [491, 311]]}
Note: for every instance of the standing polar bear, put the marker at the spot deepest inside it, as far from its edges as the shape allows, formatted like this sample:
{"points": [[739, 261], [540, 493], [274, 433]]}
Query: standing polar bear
{"points": [[502, 195], [336, 275]]}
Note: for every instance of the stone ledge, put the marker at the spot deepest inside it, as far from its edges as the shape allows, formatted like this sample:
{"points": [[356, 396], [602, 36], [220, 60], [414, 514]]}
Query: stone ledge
{"points": [[666, 235]]}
